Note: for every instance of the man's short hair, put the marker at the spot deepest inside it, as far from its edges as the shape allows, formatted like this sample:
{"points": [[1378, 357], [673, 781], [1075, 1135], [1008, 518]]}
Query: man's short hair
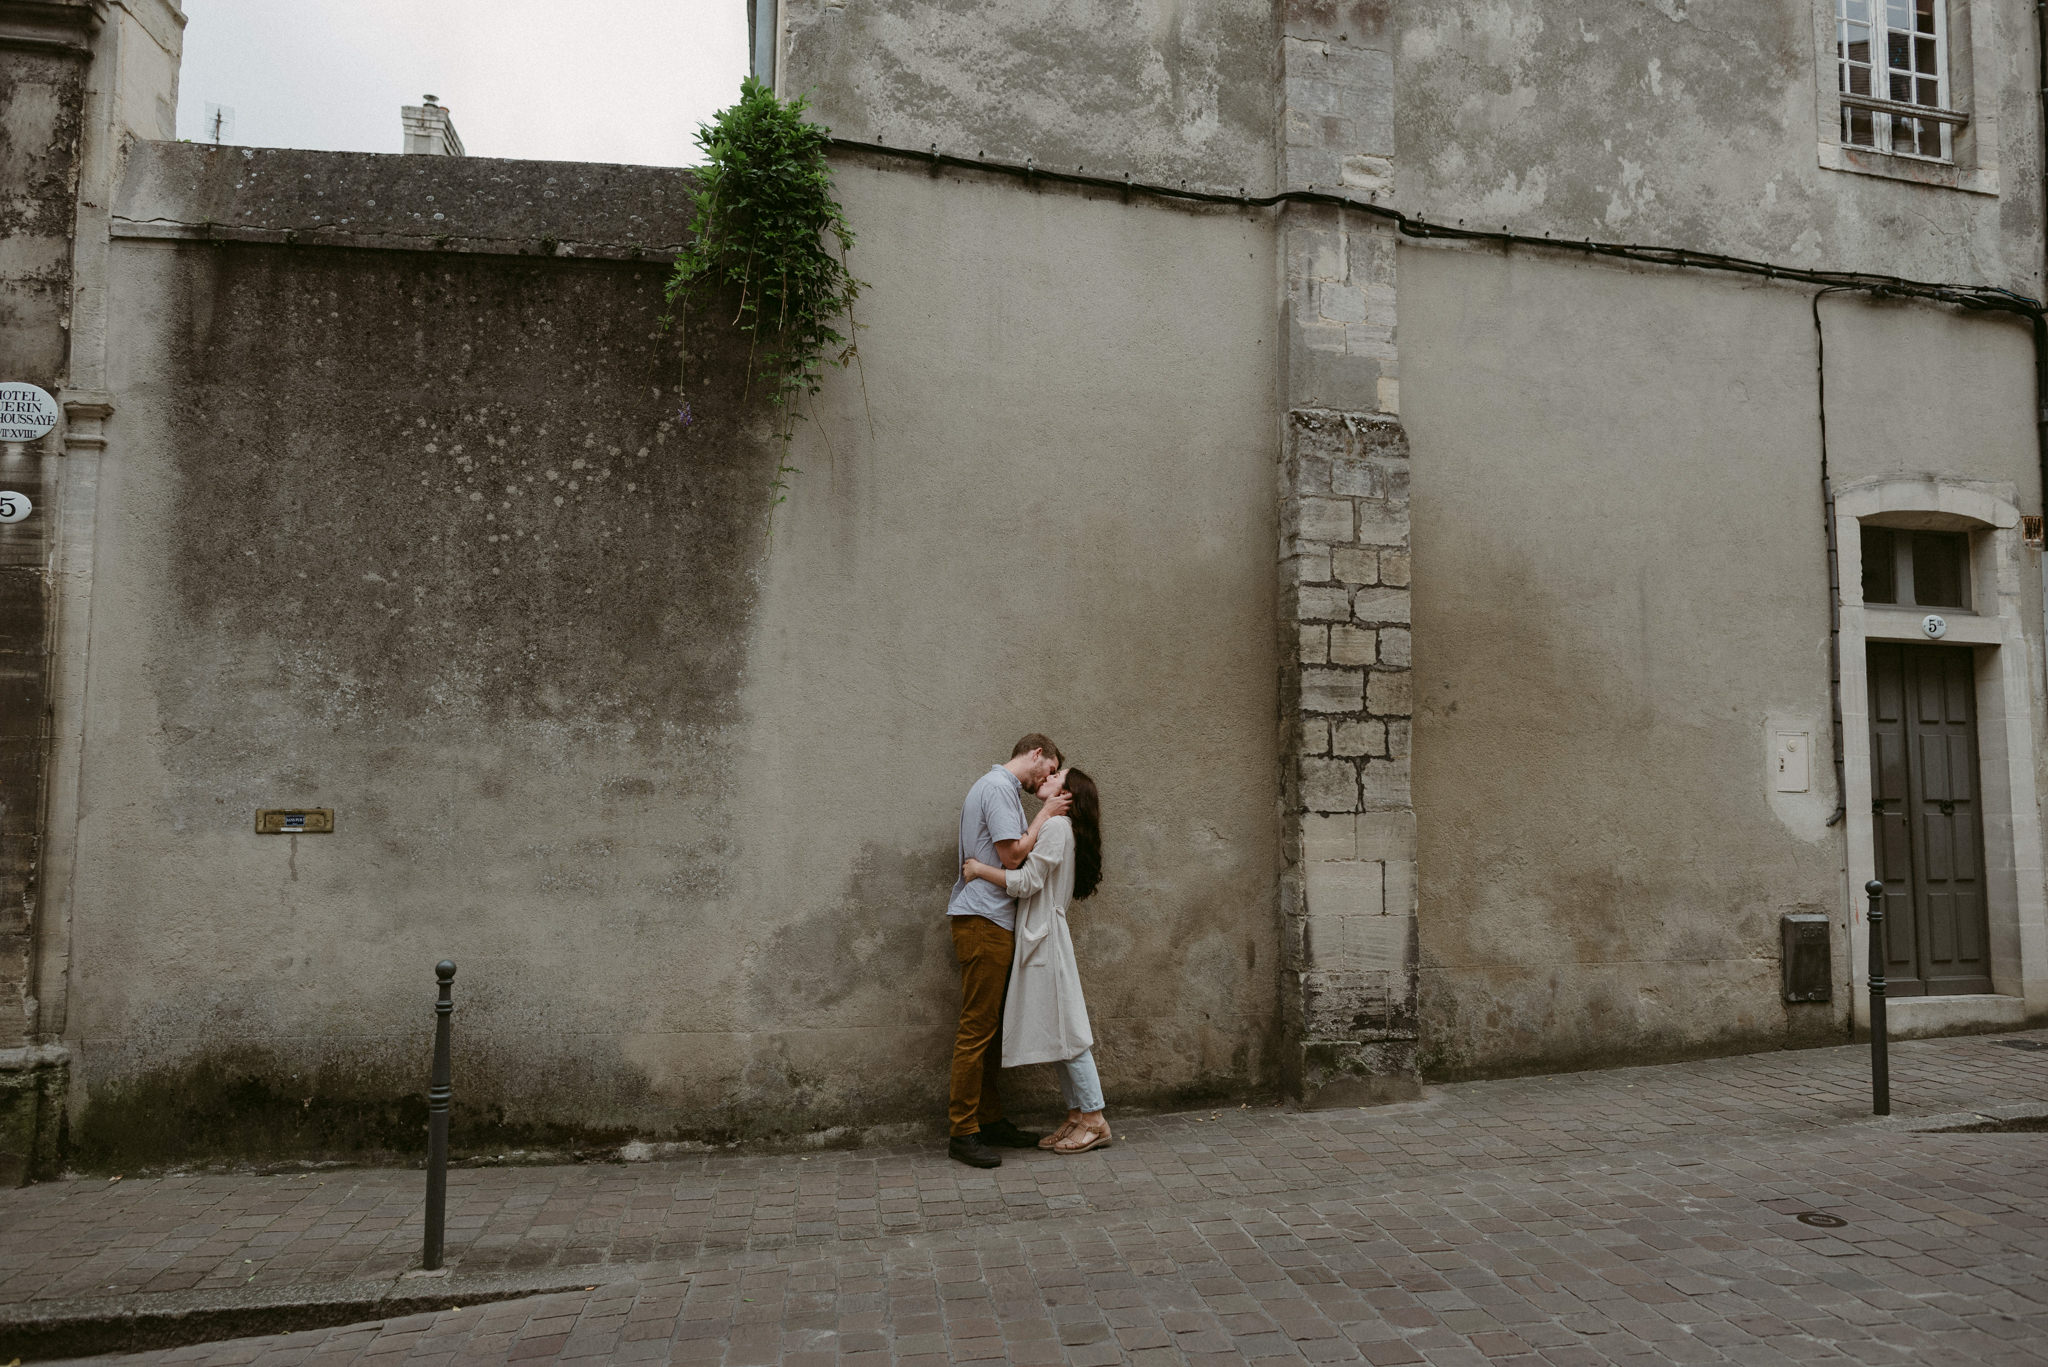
{"points": [[1034, 741]]}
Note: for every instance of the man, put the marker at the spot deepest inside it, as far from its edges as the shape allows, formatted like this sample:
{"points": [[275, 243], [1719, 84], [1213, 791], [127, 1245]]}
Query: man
{"points": [[983, 921]]}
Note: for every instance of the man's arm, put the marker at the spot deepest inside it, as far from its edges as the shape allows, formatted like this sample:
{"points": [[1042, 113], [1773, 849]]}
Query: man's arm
{"points": [[1013, 853]]}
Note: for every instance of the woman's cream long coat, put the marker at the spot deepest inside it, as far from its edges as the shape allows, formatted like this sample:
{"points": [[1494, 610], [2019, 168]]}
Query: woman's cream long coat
{"points": [[1044, 1018]]}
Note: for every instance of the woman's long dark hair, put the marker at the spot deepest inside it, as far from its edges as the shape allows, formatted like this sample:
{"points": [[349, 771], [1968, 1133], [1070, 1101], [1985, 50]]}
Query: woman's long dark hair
{"points": [[1087, 819]]}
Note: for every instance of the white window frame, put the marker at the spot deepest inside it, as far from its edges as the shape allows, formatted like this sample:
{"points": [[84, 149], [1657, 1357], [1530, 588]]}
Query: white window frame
{"points": [[1966, 31], [1884, 111]]}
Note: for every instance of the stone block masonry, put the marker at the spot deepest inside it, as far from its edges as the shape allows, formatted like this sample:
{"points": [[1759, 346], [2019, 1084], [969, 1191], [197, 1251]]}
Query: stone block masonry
{"points": [[1348, 826], [1349, 895]]}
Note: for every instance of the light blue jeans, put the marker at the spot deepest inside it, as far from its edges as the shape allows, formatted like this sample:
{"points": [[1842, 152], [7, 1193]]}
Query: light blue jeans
{"points": [[1082, 1084]]}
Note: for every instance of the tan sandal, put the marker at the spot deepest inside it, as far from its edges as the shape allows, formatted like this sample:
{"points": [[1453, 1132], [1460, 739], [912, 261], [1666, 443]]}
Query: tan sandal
{"points": [[1052, 1140], [1084, 1139]]}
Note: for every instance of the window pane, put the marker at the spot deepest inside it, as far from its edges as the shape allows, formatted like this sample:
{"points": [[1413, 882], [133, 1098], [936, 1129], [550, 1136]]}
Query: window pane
{"points": [[1880, 583], [1899, 49], [1898, 14], [1859, 79], [1923, 56], [1930, 94], [1924, 18], [1902, 89], [1861, 130], [1938, 561]]}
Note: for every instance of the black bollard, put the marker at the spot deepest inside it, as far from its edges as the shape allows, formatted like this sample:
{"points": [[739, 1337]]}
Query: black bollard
{"points": [[1880, 1070], [439, 1092]]}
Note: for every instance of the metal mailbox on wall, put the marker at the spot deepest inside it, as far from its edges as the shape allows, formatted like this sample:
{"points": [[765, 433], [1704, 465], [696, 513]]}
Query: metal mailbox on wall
{"points": [[1809, 966]]}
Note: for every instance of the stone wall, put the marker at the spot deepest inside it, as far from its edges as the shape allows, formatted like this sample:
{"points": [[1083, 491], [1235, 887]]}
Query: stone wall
{"points": [[1714, 127], [1621, 591], [44, 56], [1346, 818], [1179, 92], [411, 510], [1348, 474]]}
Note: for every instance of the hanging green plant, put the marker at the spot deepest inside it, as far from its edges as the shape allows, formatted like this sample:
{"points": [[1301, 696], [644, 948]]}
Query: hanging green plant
{"points": [[770, 234]]}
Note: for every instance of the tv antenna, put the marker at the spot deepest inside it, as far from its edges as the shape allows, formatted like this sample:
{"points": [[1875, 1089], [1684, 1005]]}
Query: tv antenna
{"points": [[220, 123]]}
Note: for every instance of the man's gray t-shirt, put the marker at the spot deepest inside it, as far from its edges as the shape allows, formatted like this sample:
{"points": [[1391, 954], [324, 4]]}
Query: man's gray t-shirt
{"points": [[994, 811]]}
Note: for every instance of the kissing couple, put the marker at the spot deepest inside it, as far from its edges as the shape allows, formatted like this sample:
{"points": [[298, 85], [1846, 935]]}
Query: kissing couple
{"points": [[1020, 991]]}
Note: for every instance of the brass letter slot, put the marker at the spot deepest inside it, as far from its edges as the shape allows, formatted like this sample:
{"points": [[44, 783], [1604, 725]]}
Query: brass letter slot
{"points": [[295, 821]]}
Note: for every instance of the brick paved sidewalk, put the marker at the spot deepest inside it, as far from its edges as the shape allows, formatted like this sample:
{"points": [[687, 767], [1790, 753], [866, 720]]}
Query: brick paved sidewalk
{"points": [[92, 1237], [1642, 1213]]}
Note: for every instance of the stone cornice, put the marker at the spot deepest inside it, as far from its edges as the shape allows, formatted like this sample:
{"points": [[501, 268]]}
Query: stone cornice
{"points": [[198, 192], [62, 26]]}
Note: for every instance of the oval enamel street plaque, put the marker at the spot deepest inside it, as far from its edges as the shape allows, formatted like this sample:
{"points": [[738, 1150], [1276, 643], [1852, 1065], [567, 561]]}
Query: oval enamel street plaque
{"points": [[26, 412]]}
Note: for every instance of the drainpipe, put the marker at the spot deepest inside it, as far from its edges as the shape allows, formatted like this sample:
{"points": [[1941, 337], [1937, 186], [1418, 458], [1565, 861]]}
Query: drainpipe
{"points": [[763, 29], [2041, 226], [1827, 504], [1827, 501], [2039, 320]]}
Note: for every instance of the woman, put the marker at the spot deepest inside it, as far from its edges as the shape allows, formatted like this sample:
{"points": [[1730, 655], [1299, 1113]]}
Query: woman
{"points": [[1045, 1019]]}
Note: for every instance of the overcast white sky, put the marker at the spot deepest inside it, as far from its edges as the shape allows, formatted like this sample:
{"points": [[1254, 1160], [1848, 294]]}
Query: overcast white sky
{"points": [[600, 80]]}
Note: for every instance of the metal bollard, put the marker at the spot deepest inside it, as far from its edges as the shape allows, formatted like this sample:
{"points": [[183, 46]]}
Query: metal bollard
{"points": [[439, 1093], [1880, 1070]]}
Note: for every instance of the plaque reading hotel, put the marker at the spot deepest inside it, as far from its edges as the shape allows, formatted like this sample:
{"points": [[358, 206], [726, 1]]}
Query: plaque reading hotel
{"points": [[26, 412]]}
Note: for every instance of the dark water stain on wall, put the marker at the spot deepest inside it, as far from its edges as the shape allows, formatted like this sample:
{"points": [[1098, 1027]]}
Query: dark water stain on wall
{"points": [[886, 941], [467, 548], [42, 94], [1559, 928], [460, 487], [252, 1105], [42, 99]]}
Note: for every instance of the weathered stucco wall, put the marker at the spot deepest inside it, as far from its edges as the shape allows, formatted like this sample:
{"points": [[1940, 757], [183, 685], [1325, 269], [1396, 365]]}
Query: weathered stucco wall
{"points": [[1620, 588], [422, 535], [1587, 649], [1164, 89], [1061, 519], [680, 796], [42, 98], [77, 79], [1698, 123]]}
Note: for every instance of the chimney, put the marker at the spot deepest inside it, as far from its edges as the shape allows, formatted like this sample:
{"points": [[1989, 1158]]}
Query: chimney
{"points": [[429, 131]]}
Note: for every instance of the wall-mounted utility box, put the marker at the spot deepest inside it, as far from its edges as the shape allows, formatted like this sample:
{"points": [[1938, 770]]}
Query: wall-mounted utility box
{"points": [[295, 821], [1791, 761], [1809, 964]]}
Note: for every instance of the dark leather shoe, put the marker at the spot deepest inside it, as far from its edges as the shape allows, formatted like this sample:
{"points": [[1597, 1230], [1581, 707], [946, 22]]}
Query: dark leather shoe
{"points": [[968, 1149], [1003, 1135]]}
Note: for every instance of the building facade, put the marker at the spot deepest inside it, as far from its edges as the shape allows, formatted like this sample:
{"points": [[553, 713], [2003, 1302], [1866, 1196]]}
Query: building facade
{"points": [[1495, 651]]}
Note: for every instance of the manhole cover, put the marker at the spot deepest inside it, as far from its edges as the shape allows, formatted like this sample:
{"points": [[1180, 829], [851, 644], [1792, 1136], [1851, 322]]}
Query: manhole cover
{"points": [[2024, 1044], [1820, 1219]]}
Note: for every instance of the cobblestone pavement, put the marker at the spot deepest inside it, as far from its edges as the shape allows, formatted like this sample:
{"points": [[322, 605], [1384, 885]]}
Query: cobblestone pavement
{"points": [[1642, 1214]]}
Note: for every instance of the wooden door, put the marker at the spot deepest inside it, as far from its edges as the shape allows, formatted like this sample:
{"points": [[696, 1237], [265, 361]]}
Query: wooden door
{"points": [[1929, 819]]}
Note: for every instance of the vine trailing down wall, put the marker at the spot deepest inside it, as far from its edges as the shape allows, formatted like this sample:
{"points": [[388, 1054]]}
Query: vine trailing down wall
{"points": [[766, 226]]}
